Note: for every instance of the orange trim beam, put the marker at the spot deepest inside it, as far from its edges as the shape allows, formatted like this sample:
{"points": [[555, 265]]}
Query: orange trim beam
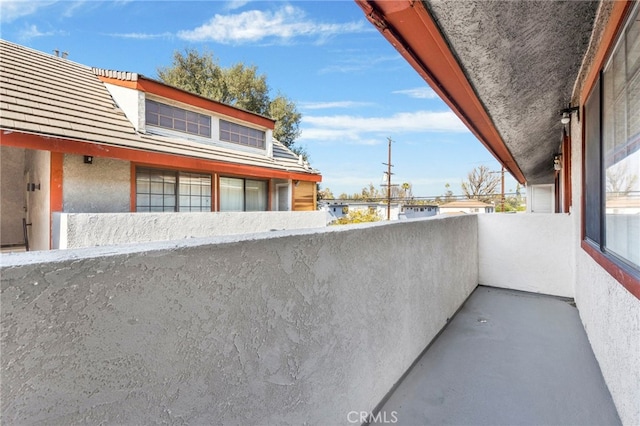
{"points": [[56, 200], [408, 26], [59, 145]]}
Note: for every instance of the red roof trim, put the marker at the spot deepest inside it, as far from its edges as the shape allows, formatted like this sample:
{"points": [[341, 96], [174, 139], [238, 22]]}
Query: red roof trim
{"points": [[54, 144]]}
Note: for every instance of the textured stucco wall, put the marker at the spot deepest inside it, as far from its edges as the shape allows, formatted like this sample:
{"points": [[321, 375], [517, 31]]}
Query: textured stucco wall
{"points": [[101, 229], [38, 171], [101, 187], [611, 318], [529, 252], [279, 328], [12, 189]]}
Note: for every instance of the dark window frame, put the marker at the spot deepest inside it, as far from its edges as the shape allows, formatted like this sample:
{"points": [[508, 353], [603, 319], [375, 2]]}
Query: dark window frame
{"points": [[181, 120], [242, 135], [178, 205]]}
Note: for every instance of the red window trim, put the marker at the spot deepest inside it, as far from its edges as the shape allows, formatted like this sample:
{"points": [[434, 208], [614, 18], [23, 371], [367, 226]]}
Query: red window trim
{"points": [[619, 15]]}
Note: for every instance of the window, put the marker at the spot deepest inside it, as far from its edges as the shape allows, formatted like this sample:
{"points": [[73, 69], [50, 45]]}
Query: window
{"points": [[242, 195], [174, 118], [612, 153], [171, 191], [242, 135]]}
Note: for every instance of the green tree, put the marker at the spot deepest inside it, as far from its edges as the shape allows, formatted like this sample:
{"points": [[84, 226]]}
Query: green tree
{"points": [[325, 194], [239, 85], [371, 193], [287, 117], [195, 73]]}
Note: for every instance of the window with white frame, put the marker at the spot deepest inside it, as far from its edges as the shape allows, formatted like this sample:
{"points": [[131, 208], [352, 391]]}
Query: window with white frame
{"points": [[241, 135], [237, 194], [171, 191], [612, 153], [175, 118]]}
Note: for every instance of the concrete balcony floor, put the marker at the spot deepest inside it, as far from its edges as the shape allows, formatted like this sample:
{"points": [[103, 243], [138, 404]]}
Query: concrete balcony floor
{"points": [[506, 358]]}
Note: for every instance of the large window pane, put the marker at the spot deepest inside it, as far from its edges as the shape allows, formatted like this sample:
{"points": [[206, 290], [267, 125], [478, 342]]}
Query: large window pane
{"points": [[195, 192], [231, 194], [168, 191], [256, 195], [243, 194], [621, 147]]}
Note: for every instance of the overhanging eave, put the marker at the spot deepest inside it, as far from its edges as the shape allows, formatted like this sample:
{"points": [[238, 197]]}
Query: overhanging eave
{"points": [[408, 26]]}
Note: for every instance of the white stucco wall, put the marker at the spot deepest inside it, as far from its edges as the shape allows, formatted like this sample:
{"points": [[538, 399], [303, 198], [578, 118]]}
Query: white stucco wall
{"points": [[12, 189], [130, 101], [611, 318], [529, 252], [38, 171], [101, 187], [279, 328], [609, 313], [102, 229]]}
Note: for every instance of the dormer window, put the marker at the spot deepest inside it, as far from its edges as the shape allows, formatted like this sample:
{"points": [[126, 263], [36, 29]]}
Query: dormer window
{"points": [[174, 118], [241, 135]]}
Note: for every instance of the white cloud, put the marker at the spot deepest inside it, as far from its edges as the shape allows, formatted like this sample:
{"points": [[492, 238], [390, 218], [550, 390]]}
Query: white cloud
{"points": [[356, 130], [419, 121], [32, 31], [359, 63], [11, 10], [352, 137], [73, 6], [255, 25], [235, 4], [141, 36], [423, 92]]}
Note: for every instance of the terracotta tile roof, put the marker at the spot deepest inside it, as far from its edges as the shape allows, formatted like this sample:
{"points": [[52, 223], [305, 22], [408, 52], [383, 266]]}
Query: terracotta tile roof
{"points": [[50, 96]]}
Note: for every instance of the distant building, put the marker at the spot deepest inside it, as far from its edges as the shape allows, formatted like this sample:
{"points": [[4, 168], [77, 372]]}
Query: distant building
{"points": [[466, 207], [414, 211], [86, 140], [341, 208]]}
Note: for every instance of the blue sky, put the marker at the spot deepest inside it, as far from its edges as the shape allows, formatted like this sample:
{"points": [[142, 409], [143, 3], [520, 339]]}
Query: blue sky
{"points": [[352, 87]]}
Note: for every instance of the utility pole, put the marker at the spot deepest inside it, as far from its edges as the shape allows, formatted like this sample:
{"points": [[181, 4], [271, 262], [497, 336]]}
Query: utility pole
{"points": [[502, 192], [388, 184], [501, 188]]}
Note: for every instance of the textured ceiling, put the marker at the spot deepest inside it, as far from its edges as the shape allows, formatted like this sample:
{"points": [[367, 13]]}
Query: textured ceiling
{"points": [[522, 58]]}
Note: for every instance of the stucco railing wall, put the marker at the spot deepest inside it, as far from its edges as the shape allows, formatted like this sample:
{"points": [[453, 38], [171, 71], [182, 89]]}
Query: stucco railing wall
{"points": [[528, 252], [75, 230], [287, 327]]}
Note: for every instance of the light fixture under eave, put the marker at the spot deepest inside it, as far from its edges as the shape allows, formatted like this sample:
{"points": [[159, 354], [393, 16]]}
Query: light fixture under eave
{"points": [[557, 165], [566, 114]]}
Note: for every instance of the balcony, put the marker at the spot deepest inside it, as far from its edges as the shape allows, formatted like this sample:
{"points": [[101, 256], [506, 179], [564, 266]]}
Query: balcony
{"points": [[507, 358], [308, 326]]}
